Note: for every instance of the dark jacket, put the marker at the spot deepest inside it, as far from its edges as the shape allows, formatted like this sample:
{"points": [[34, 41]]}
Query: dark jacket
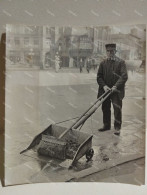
{"points": [[88, 64], [81, 64], [112, 73]]}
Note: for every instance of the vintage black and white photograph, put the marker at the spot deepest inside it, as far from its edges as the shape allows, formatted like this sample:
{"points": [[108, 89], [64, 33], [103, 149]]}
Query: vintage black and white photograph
{"points": [[75, 104]]}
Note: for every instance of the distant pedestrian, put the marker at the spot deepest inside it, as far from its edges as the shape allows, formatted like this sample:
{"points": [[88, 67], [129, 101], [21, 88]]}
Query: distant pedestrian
{"points": [[57, 62], [88, 65], [94, 64], [81, 65]]}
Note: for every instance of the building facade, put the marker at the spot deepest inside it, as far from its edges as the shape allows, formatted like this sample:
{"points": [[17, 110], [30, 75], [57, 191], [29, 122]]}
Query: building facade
{"points": [[36, 46], [29, 46], [129, 45]]}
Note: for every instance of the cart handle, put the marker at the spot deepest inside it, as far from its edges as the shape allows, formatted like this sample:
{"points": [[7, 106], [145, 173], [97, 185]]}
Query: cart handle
{"points": [[106, 94], [82, 120]]}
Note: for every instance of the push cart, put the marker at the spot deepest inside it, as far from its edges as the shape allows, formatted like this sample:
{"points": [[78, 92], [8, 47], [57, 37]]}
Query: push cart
{"points": [[67, 143]]}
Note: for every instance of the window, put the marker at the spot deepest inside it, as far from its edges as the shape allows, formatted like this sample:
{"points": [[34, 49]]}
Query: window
{"points": [[48, 42], [36, 42], [18, 59], [28, 30], [26, 41], [12, 60], [17, 42], [9, 44], [47, 30]]}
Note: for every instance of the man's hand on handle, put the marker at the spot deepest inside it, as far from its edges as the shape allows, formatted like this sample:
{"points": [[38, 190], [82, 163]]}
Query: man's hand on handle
{"points": [[114, 89], [106, 88]]}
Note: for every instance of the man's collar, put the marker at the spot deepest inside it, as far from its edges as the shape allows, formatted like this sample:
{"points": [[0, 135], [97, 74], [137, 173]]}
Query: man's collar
{"points": [[112, 58]]}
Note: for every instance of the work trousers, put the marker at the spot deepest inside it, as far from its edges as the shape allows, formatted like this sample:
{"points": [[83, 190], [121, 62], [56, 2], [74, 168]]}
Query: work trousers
{"points": [[106, 108]]}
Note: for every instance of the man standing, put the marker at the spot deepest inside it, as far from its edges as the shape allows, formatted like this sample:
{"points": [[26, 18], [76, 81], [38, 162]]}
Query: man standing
{"points": [[112, 74]]}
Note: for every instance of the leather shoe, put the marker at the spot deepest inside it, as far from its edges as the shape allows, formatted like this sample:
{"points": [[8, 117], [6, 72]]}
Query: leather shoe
{"points": [[117, 132], [104, 129]]}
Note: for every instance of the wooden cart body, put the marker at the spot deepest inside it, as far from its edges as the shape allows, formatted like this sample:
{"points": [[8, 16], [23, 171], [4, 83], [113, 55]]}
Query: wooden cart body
{"points": [[84, 140]]}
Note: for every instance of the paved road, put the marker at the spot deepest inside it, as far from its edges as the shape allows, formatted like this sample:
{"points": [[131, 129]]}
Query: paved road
{"points": [[35, 99]]}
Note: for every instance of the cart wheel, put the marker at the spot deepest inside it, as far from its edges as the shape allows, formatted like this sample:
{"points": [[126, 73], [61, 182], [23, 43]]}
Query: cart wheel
{"points": [[89, 154]]}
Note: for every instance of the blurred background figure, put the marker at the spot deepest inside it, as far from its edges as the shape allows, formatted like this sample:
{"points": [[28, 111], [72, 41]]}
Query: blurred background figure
{"points": [[57, 62], [93, 63], [81, 65], [88, 65]]}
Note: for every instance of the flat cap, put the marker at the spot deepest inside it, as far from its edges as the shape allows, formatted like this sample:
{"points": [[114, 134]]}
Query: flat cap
{"points": [[112, 45]]}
